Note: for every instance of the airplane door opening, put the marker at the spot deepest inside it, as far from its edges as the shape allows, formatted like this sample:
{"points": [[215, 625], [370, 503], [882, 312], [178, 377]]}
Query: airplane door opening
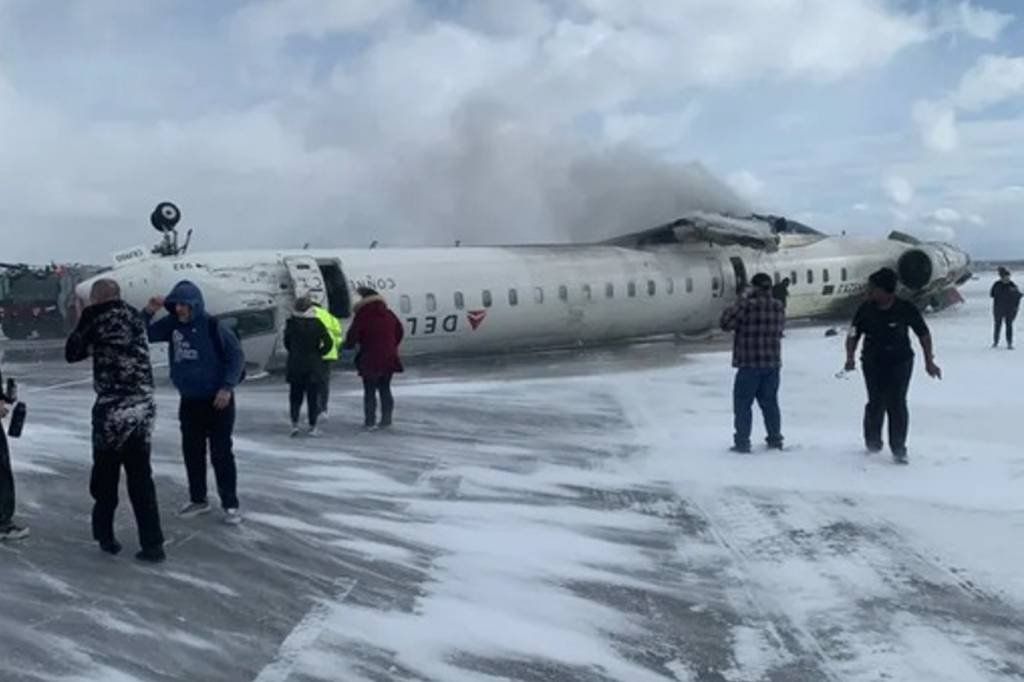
{"points": [[339, 299], [306, 279], [739, 269]]}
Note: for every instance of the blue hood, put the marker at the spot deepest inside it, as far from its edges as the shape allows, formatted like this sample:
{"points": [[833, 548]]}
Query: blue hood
{"points": [[188, 293]]}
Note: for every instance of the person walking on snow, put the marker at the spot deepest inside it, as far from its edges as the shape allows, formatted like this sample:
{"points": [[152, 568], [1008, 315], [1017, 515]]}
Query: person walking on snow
{"points": [[307, 340], [377, 333], [888, 360], [333, 326], [114, 335], [1005, 305], [8, 529], [757, 321], [207, 364]]}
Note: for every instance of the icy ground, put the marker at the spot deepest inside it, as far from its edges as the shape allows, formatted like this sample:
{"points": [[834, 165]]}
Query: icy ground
{"points": [[570, 518]]}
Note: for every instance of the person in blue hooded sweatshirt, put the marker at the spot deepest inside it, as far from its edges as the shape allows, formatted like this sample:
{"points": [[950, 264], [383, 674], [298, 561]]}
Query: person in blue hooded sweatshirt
{"points": [[206, 365]]}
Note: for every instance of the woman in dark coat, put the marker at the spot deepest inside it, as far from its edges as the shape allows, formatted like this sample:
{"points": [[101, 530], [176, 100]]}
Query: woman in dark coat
{"points": [[377, 332], [307, 340]]}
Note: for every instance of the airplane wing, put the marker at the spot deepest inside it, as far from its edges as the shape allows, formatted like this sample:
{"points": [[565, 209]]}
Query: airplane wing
{"points": [[754, 232]]}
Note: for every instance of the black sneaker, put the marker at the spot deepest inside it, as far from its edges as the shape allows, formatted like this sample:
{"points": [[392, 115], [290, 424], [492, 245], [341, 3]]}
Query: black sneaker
{"points": [[874, 448], [776, 445], [153, 555], [740, 449], [900, 457], [111, 547], [10, 532]]}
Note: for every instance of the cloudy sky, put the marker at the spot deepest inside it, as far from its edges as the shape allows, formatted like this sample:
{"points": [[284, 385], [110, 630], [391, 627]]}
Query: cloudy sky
{"points": [[336, 122]]}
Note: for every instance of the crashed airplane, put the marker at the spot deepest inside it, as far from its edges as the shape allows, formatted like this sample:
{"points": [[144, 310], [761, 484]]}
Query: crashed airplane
{"points": [[670, 280]]}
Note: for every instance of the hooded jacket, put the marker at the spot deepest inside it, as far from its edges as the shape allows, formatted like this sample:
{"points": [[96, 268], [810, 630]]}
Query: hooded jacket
{"points": [[205, 356], [114, 335], [377, 332], [307, 341]]}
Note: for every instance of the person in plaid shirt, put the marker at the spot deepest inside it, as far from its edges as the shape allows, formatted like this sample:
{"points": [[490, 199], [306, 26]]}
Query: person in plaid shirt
{"points": [[758, 320]]}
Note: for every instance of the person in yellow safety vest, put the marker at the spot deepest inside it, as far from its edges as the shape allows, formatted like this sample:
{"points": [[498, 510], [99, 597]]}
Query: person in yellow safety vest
{"points": [[333, 325]]}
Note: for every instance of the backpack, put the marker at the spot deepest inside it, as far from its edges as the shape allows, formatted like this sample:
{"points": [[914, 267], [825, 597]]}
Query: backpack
{"points": [[218, 344]]}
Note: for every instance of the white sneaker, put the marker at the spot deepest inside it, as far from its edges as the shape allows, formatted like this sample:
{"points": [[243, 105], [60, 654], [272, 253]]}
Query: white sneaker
{"points": [[194, 509], [323, 415], [314, 432], [232, 517], [295, 430]]}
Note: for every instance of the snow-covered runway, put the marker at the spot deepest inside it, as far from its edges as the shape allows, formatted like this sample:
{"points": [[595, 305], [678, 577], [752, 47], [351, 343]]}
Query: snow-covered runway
{"points": [[570, 518]]}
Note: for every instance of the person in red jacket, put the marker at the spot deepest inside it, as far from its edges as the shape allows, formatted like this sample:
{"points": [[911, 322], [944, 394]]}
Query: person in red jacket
{"points": [[377, 332]]}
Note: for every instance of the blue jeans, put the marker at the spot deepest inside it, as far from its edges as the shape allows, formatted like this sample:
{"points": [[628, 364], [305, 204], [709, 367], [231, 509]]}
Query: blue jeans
{"points": [[762, 385]]}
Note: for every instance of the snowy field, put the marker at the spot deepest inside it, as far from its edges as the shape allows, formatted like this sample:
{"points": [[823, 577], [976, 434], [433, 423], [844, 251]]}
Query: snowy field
{"points": [[577, 517]]}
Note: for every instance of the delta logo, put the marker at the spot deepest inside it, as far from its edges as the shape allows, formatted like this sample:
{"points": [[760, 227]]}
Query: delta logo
{"points": [[476, 318]]}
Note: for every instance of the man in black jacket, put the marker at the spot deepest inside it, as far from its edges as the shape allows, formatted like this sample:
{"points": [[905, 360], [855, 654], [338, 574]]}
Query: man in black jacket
{"points": [[114, 335], [1005, 304], [8, 529]]}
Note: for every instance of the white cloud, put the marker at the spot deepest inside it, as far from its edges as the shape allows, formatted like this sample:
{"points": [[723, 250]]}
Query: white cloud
{"points": [[273, 21], [746, 184], [936, 124], [947, 215], [861, 207], [971, 20], [993, 79], [898, 189]]}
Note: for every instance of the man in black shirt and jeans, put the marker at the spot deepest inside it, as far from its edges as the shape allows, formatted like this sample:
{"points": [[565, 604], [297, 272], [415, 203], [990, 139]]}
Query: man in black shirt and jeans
{"points": [[888, 360]]}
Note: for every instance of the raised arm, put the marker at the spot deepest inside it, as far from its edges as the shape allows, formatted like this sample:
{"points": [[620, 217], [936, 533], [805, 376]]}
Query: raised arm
{"points": [[79, 345]]}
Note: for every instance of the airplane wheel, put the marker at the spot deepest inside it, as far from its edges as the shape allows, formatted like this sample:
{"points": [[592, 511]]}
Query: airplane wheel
{"points": [[165, 217]]}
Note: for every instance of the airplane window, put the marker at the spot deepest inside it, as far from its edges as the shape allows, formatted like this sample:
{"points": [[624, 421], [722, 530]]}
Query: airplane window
{"points": [[588, 294], [810, 276], [513, 297], [793, 279], [538, 294], [431, 303], [631, 289], [609, 290], [652, 288], [563, 293], [825, 276], [843, 274], [460, 300], [488, 301], [405, 304], [246, 323], [778, 278], [670, 286], [716, 284], [689, 285]]}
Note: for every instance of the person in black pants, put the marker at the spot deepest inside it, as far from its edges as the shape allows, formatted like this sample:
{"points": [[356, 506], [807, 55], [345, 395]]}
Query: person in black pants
{"points": [[1005, 305], [377, 332], [888, 360], [8, 529], [207, 364], [114, 335], [307, 341]]}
